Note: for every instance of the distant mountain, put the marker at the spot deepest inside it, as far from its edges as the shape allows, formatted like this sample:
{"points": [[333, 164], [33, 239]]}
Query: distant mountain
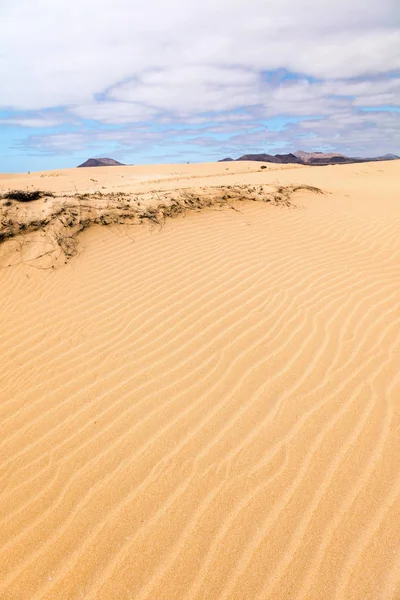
{"points": [[273, 158], [386, 157], [311, 158], [226, 160], [100, 162], [308, 157]]}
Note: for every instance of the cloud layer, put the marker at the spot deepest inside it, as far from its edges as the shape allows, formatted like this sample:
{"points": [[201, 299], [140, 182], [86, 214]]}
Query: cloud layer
{"points": [[150, 71]]}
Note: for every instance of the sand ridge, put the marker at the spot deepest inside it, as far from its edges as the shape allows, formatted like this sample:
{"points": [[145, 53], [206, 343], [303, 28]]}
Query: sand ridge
{"points": [[41, 229], [209, 410]]}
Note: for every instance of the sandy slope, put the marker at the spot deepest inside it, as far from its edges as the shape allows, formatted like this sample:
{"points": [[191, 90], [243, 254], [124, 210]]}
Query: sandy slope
{"points": [[210, 410], [135, 179]]}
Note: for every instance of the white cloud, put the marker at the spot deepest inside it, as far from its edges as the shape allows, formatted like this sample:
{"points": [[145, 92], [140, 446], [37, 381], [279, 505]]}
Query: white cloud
{"points": [[115, 112], [54, 53], [193, 89], [198, 63], [363, 134], [39, 121], [184, 94]]}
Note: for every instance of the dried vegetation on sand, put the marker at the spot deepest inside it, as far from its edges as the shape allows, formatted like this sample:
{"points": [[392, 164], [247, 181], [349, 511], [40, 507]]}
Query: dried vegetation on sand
{"points": [[61, 218]]}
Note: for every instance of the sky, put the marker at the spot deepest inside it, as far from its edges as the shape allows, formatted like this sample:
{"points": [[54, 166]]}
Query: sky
{"points": [[192, 81]]}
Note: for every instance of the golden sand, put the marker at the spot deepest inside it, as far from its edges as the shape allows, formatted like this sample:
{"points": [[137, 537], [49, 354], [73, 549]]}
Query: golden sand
{"points": [[207, 410]]}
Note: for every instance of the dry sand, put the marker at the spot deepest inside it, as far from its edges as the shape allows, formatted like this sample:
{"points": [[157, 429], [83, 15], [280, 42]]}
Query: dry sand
{"points": [[209, 409]]}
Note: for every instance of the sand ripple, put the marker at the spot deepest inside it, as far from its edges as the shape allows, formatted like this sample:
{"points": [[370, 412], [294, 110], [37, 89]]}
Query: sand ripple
{"points": [[207, 411]]}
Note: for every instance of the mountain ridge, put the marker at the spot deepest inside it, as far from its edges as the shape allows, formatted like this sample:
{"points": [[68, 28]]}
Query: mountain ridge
{"points": [[309, 158]]}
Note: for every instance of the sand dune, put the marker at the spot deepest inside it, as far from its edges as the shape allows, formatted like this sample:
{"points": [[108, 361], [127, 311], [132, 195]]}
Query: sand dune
{"points": [[208, 409]]}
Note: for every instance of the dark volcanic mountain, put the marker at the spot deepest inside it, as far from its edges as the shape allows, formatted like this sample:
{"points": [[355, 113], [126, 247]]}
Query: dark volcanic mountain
{"points": [[311, 158], [277, 158], [100, 162]]}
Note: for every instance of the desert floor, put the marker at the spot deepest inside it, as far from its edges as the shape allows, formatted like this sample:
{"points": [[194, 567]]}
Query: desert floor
{"points": [[207, 410]]}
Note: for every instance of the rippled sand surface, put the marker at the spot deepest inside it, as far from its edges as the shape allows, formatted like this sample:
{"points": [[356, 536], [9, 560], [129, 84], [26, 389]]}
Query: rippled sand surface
{"points": [[209, 410]]}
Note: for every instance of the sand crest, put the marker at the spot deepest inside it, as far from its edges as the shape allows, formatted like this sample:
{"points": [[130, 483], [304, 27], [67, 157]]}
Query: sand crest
{"points": [[207, 409]]}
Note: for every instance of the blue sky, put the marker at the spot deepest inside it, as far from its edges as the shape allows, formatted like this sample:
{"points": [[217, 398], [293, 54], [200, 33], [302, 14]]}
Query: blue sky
{"points": [[188, 81]]}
